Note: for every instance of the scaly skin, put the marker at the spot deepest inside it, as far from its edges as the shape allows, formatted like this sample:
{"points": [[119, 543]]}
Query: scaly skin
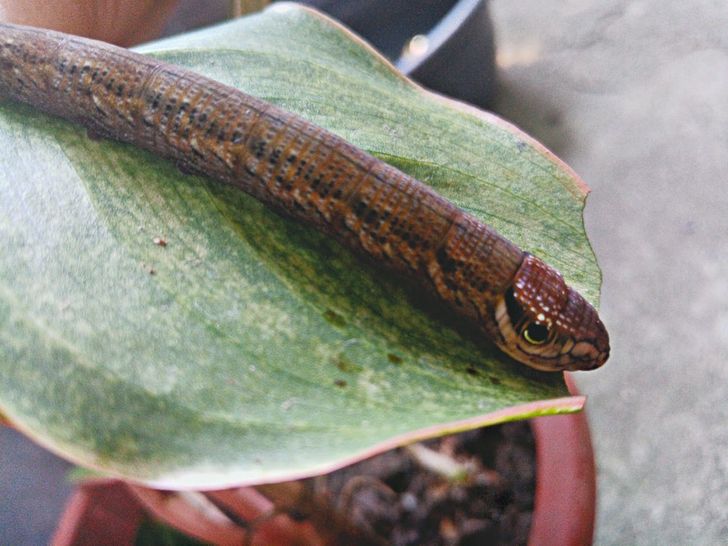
{"points": [[305, 172]]}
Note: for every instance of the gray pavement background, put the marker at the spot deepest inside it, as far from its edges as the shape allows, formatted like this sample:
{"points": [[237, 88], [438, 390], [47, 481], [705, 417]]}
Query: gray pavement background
{"points": [[634, 95], [33, 490]]}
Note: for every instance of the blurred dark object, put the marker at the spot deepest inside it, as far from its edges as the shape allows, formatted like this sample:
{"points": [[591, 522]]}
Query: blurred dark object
{"points": [[446, 45]]}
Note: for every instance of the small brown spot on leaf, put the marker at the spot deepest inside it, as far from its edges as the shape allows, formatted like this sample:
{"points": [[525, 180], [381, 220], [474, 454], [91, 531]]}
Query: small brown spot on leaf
{"points": [[340, 383], [394, 359], [345, 365], [472, 371], [334, 318], [160, 241]]}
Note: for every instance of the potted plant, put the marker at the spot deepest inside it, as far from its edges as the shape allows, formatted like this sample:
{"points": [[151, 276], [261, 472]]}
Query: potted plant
{"points": [[112, 511], [242, 349]]}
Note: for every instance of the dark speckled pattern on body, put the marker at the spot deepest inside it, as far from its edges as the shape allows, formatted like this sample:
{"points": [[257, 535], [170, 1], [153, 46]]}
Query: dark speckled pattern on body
{"points": [[293, 166]]}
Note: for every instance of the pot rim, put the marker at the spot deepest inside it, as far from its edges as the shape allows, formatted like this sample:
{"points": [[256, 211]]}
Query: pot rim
{"points": [[565, 498]]}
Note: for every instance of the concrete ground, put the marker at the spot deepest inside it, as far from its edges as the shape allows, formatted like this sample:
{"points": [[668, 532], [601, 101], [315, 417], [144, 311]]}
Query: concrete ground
{"points": [[634, 95], [33, 490]]}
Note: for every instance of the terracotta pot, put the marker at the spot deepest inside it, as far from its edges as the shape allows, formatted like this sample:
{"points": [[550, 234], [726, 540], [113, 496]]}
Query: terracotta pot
{"points": [[100, 512], [565, 502], [564, 511], [116, 21]]}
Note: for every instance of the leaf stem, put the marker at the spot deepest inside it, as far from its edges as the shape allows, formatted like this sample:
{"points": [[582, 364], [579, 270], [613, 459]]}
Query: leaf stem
{"points": [[440, 463]]}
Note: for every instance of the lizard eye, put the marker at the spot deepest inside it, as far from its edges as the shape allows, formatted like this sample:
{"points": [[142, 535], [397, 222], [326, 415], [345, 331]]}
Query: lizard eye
{"points": [[536, 334]]}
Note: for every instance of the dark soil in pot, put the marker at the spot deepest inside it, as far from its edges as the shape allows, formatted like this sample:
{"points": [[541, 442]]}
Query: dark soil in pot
{"points": [[401, 498]]}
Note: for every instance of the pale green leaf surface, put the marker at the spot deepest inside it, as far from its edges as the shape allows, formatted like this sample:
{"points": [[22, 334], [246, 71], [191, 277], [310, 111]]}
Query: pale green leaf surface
{"points": [[258, 350]]}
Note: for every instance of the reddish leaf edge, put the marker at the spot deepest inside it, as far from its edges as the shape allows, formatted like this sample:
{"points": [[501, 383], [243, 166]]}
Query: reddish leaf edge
{"points": [[193, 480]]}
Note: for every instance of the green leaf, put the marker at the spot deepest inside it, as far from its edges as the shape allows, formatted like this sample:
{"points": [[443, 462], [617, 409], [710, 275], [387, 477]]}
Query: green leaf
{"points": [[258, 349]]}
